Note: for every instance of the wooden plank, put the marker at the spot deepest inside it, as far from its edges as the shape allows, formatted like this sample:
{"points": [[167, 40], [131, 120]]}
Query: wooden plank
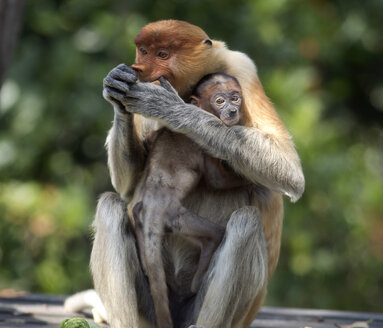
{"points": [[38, 311], [274, 317], [35, 298], [364, 316], [270, 323], [34, 311]]}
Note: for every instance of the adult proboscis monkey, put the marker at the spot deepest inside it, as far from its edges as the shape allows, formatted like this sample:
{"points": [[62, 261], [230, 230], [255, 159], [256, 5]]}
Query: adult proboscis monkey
{"points": [[262, 152]]}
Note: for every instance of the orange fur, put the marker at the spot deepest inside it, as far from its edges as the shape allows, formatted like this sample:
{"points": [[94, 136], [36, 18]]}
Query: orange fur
{"points": [[192, 60]]}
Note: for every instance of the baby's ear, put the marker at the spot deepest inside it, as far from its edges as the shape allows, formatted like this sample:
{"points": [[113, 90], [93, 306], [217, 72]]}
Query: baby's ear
{"points": [[194, 101]]}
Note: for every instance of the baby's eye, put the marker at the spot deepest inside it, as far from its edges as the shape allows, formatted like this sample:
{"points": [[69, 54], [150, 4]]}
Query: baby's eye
{"points": [[235, 99], [219, 101]]}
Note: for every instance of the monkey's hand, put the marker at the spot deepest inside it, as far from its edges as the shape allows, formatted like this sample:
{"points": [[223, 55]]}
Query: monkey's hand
{"points": [[121, 88], [118, 79]]}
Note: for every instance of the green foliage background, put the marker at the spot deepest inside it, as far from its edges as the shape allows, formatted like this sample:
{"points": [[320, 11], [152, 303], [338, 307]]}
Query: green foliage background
{"points": [[321, 63]]}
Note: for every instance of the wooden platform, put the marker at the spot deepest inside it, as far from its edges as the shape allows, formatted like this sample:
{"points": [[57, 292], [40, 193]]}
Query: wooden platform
{"points": [[42, 311]]}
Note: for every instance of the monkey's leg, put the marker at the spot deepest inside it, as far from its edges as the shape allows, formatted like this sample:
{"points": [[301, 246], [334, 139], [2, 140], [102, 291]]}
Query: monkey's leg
{"points": [[237, 274], [208, 235], [117, 275], [139, 230], [154, 216]]}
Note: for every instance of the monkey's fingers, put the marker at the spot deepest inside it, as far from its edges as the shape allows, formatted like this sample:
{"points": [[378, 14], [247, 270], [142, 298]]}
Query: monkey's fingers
{"points": [[126, 68], [110, 95], [123, 76], [166, 84], [116, 84]]}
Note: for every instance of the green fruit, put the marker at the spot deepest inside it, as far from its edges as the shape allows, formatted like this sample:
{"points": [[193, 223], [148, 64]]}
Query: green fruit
{"points": [[75, 323]]}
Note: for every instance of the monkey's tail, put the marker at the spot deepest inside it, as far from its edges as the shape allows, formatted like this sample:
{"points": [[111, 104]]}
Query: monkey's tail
{"points": [[84, 300]]}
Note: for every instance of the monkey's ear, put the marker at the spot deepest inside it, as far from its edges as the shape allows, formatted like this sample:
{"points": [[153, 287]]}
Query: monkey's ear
{"points": [[194, 100], [207, 41]]}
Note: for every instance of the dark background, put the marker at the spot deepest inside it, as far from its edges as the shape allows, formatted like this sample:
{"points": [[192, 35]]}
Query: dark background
{"points": [[321, 63]]}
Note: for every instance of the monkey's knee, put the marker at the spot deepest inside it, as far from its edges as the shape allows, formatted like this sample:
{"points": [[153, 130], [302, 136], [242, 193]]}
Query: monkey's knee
{"points": [[113, 233], [243, 247], [111, 213], [246, 223], [245, 237]]}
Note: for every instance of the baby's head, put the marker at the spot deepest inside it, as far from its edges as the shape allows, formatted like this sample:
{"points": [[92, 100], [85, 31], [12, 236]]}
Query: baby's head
{"points": [[221, 95]]}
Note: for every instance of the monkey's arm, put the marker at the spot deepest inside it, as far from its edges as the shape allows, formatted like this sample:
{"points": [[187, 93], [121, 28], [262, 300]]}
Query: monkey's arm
{"points": [[126, 155], [250, 152], [260, 157]]}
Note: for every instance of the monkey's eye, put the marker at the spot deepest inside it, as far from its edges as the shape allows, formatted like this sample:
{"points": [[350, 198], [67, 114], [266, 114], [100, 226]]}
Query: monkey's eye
{"points": [[235, 99], [143, 51], [219, 101], [163, 54]]}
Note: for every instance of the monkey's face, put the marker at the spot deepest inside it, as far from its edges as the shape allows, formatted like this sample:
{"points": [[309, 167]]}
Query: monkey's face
{"points": [[222, 98], [170, 60], [172, 49], [152, 62], [227, 106]]}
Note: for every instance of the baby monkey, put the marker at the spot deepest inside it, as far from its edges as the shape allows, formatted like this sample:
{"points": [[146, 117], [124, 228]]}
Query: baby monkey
{"points": [[221, 95], [168, 182]]}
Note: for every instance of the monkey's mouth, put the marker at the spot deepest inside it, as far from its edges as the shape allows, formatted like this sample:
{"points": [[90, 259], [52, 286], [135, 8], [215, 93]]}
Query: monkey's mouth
{"points": [[144, 78], [229, 121], [154, 80]]}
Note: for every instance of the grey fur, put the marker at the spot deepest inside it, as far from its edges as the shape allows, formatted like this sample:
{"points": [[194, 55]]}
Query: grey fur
{"points": [[240, 268], [251, 153], [117, 274], [174, 167]]}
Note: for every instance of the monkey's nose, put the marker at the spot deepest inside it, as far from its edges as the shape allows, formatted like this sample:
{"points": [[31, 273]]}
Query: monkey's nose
{"points": [[138, 68], [233, 111]]}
